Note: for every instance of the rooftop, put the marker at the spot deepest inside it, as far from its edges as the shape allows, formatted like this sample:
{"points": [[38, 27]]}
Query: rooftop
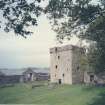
{"points": [[20, 71], [64, 48]]}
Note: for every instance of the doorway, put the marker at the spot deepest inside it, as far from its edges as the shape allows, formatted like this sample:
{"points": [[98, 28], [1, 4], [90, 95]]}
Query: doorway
{"points": [[60, 81], [91, 78], [30, 76]]}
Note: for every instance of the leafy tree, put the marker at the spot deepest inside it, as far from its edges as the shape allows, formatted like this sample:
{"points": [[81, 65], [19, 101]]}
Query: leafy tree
{"points": [[71, 17], [17, 15], [83, 19], [68, 17]]}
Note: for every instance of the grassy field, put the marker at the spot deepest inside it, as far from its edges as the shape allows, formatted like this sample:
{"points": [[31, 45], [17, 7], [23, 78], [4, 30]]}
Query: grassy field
{"points": [[60, 95]]}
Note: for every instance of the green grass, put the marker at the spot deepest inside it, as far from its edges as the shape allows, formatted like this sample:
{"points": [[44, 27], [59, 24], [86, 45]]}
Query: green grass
{"points": [[61, 95]]}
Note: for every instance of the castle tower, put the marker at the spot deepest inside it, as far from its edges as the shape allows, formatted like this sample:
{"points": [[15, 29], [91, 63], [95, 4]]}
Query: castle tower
{"points": [[65, 65]]}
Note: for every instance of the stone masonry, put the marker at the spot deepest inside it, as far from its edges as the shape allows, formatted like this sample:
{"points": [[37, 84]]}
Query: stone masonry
{"points": [[65, 65]]}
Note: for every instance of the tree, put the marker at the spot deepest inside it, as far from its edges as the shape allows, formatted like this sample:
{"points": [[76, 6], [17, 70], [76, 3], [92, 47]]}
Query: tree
{"points": [[68, 17], [71, 17], [19, 14], [83, 19]]}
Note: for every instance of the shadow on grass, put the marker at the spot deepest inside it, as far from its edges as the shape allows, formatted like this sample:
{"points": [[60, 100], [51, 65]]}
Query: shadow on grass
{"points": [[100, 100], [92, 87]]}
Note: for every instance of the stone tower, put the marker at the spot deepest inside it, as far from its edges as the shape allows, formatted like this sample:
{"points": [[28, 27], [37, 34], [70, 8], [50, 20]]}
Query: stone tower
{"points": [[65, 65]]}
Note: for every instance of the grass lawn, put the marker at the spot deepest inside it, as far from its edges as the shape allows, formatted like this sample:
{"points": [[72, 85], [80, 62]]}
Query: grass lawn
{"points": [[61, 95]]}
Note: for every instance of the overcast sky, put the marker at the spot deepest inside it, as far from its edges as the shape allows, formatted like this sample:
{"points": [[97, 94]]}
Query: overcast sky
{"points": [[17, 52]]}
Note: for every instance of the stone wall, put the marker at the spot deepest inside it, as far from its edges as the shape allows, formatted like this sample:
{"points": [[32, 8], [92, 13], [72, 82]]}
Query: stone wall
{"points": [[29, 75], [34, 76], [42, 76], [64, 64], [10, 79], [77, 73], [61, 64]]}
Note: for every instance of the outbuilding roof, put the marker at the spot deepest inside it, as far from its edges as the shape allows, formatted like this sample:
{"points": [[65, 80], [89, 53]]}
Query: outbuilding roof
{"points": [[20, 71]]}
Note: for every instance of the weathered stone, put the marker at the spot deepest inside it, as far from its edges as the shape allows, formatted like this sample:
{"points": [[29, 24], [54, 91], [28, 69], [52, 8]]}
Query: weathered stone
{"points": [[65, 64]]}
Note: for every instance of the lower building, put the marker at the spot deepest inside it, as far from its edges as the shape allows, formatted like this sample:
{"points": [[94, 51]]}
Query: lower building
{"points": [[92, 78], [11, 76], [35, 75], [10, 79]]}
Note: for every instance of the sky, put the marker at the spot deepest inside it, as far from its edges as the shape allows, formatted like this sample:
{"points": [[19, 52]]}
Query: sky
{"points": [[17, 52]]}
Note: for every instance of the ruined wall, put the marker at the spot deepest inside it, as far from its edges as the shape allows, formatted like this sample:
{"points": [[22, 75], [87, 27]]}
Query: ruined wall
{"points": [[77, 73], [11, 79], [29, 75]]}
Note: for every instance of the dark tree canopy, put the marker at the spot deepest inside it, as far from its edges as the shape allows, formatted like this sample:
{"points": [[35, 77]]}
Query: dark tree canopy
{"points": [[19, 14], [84, 19], [76, 16]]}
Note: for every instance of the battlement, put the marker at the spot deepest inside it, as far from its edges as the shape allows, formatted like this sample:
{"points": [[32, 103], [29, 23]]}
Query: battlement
{"points": [[65, 48]]}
